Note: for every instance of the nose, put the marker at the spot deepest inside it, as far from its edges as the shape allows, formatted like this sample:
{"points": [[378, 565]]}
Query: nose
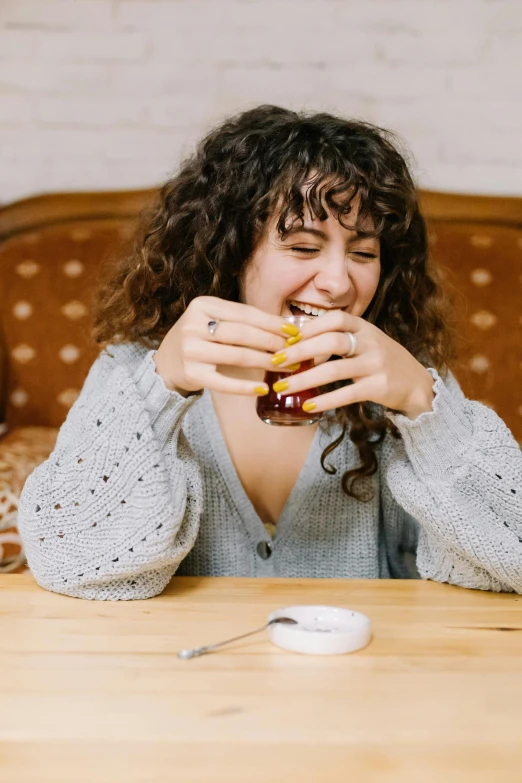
{"points": [[333, 279]]}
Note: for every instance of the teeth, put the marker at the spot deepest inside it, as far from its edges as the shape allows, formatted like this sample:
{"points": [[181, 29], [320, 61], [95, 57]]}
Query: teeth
{"points": [[308, 309]]}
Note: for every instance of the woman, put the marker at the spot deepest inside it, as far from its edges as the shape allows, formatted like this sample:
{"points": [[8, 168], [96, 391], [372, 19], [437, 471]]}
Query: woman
{"points": [[163, 466]]}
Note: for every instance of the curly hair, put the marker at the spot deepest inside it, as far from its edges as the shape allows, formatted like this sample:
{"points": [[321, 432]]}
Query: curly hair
{"points": [[199, 236]]}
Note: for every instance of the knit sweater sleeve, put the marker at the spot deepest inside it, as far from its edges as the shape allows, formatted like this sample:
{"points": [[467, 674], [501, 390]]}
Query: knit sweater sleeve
{"points": [[457, 471], [116, 507]]}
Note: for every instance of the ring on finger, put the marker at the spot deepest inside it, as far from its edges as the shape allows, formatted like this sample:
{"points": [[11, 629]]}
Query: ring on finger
{"points": [[212, 326], [353, 345]]}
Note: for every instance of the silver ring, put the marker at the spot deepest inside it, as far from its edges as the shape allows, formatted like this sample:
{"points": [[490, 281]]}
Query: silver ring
{"points": [[353, 345], [212, 327]]}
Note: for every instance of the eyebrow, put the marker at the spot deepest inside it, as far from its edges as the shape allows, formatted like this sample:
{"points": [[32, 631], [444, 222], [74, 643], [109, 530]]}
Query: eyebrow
{"points": [[303, 230], [322, 235]]}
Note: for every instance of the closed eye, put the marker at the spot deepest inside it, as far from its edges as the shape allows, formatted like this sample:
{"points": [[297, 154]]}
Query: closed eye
{"points": [[306, 249]]}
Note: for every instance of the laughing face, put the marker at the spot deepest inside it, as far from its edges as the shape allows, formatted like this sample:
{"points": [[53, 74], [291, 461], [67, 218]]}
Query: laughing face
{"points": [[318, 266]]}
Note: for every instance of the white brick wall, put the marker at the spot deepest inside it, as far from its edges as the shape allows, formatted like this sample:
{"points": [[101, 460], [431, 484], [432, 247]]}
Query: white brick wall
{"points": [[110, 93]]}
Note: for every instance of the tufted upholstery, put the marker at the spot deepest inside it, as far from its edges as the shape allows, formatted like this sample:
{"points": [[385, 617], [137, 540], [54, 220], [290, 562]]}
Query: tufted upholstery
{"points": [[478, 242], [51, 251], [49, 264]]}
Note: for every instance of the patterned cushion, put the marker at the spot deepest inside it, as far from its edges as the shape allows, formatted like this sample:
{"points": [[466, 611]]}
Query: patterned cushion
{"points": [[49, 278], [20, 452], [483, 264]]}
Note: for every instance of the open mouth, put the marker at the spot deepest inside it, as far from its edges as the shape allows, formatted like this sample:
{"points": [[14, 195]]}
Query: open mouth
{"points": [[302, 308]]}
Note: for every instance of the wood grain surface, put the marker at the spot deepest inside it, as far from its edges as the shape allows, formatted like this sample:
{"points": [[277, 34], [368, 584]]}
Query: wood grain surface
{"points": [[94, 692]]}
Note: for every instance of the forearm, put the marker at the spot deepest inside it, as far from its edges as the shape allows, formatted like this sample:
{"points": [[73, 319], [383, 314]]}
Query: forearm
{"points": [[458, 471], [107, 515]]}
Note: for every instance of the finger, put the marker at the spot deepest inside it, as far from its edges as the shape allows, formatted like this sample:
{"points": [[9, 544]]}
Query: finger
{"points": [[224, 310], [220, 383], [334, 321], [206, 352], [339, 370], [330, 343], [229, 333], [359, 391], [322, 359]]}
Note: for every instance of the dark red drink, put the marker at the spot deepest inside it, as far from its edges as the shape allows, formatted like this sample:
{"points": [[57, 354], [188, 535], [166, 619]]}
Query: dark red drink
{"points": [[286, 409]]}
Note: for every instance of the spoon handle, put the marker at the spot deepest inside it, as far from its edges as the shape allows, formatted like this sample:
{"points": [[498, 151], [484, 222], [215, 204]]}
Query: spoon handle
{"points": [[196, 651]]}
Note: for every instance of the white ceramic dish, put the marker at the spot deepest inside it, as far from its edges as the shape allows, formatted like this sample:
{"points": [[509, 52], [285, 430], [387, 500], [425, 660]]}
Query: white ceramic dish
{"points": [[321, 630]]}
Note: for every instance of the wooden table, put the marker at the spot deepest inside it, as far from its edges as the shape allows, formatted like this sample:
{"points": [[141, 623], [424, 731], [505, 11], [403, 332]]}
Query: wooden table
{"points": [[94, 692]]}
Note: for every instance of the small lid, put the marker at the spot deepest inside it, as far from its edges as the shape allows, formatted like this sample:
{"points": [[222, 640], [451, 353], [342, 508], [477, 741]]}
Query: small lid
{"points": [[321, 630]]}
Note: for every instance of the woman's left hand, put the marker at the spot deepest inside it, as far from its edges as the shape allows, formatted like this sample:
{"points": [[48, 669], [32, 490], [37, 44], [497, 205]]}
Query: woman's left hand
{"points": [[382, 370]]}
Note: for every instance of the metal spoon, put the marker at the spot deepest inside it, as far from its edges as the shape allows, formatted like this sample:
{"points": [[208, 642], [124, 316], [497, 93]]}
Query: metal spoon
{"points": [[186, 654]]}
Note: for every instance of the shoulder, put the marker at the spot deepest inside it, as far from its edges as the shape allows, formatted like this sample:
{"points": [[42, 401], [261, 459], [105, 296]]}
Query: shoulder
{"points": [[121, 357], [128, 355]]}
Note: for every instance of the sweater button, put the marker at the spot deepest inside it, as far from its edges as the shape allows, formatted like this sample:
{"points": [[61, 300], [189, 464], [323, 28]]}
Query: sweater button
{"points": [[264, 549]]}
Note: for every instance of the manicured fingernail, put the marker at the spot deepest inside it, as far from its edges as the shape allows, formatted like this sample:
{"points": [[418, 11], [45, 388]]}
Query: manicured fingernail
{"points": [[280, 386], [293, 340], [261, 390], [309, 406], [292, 367], [290, 329], [278, 358]]}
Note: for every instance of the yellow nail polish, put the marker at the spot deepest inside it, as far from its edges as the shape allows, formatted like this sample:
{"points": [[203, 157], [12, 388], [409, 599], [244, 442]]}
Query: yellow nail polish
{"points": [[262, 391], [293, 340], [290, 329], [278, 358], [280, 386], [309, 406], [291, 367]]}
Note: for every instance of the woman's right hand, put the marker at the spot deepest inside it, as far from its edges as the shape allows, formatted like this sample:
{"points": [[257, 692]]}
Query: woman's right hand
{"points": [[189, 355]]}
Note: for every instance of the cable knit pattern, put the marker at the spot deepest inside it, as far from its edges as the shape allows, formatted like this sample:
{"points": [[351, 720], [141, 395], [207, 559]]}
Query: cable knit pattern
{"points": [[141, 485]]}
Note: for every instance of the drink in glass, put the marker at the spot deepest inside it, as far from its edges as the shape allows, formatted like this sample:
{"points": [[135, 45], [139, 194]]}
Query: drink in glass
{"points": [[286, 409]]}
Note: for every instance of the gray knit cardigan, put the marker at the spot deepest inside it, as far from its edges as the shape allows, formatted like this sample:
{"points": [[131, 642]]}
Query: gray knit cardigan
{"points": [[141, 486]]}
